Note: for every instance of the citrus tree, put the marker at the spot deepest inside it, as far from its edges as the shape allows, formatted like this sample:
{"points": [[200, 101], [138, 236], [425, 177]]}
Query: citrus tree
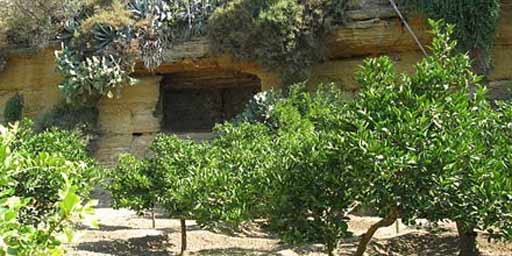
{"points": [[287, 169], [434, 145], [50, 152], [181, 176], [33, 224], [292, 158]]}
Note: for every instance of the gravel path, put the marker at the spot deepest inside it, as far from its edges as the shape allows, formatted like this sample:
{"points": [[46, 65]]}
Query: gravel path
{"points": [[124, 233]]}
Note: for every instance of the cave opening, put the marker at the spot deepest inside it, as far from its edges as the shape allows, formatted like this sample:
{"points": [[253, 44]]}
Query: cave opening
{"points": [[193, 102]]}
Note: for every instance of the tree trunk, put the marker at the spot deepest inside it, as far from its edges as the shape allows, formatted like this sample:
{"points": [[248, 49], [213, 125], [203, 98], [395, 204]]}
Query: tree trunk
{"points": [[330, 249], [365, 239], [183, 236], [467, 240], [153, 218], [480, 63]]}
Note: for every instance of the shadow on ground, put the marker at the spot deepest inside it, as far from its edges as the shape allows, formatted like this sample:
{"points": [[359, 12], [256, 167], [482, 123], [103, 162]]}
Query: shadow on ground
{"points": [[410, 244], [233, 252], [422, 244], [144, 246]]}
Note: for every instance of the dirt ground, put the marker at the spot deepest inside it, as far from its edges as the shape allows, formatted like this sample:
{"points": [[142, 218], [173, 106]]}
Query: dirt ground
{"points": [[124, 233]]}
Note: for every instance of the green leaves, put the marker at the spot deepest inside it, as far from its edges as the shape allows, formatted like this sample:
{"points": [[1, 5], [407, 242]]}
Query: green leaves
{"points": [[40, 192], [295, 29], [70, 200], [475, 25], [13, 111], [432, 141]]}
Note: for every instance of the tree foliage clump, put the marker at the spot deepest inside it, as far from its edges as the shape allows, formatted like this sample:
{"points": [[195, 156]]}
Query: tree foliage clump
{"points": [[431, 143], [475, 23], [44, 185], [283, 35]]}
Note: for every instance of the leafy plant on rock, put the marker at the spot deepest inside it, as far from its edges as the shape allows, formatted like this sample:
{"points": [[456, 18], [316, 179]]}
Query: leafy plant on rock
{"points": [[475, 21], [102, 43], [35, 23], [13, 111], [295, 31]]}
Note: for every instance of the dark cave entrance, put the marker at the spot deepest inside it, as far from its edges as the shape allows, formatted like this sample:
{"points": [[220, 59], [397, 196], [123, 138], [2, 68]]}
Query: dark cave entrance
{"points": [[193, 102]]}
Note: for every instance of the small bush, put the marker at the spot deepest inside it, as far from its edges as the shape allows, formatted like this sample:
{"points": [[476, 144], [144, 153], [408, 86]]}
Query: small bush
{"points": [[35, 23], [13, 109], [260, 107], [42, 183], [131, 186], [42, 195]]}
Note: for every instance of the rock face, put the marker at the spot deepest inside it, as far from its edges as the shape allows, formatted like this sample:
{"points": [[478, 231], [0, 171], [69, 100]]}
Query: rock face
{"points": [[129, 124], [34, 76]]}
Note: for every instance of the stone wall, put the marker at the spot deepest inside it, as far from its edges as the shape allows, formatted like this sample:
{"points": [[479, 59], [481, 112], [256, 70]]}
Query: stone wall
{"points": [[129, 124], [32, 74]]}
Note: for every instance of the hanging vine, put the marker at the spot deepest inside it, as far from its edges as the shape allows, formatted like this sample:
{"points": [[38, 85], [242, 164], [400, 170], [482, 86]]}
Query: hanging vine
{"points": [[475, 24]]}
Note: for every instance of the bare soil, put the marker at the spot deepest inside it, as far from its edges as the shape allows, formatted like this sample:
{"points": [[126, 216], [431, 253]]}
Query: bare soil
{"points": [[124, 233]]}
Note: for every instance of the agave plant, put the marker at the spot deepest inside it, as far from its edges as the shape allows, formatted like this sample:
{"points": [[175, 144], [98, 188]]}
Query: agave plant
{"points": [[157, 24], [103, 36]]}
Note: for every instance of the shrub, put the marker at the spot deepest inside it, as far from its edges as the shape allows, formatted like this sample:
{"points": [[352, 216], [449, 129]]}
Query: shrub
{"points": [[294, 32], [42, 182], [21, 233], [36, 23], [314, 179], [13, 109], [131, 185], [177, 177], [428, 144]]}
